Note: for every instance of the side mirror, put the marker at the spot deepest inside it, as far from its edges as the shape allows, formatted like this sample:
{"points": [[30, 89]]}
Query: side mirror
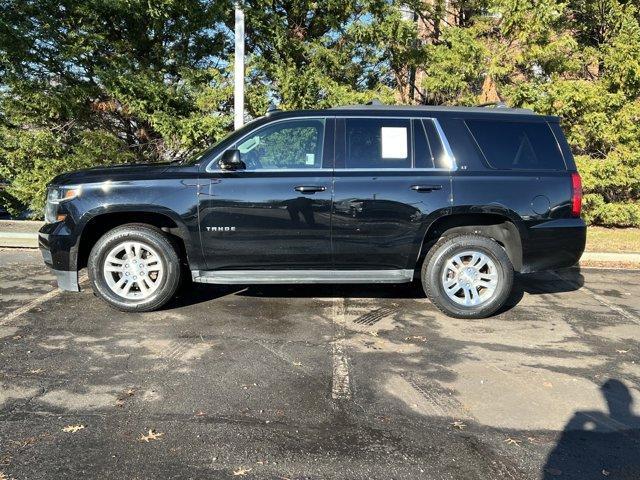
{"points": [[231, 160]]}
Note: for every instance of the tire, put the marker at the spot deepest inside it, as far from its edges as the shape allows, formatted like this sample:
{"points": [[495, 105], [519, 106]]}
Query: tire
{"points": [[146, 257], [449, 265]]}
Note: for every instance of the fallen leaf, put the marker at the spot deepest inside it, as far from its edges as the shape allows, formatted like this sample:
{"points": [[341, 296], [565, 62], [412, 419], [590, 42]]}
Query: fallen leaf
{"points": [[241, 472], [25, 442], [73, 428], [17, 337], [119, 402], [548, 385], [513, 441], [419, 338], [130, 392], [152, 435], [297, 364], [459, 425], [622, 351]]}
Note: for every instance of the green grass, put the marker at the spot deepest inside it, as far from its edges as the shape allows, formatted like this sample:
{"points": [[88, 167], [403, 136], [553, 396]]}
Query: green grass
{"points": [[619, 240]]}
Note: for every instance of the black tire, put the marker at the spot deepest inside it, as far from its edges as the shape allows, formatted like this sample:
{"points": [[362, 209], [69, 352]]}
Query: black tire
{"points": [[434, 267], [147, 235]]}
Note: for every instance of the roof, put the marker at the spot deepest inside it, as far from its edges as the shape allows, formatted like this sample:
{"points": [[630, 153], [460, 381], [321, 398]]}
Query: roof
{"points": [[440, 111], [438, 108]]}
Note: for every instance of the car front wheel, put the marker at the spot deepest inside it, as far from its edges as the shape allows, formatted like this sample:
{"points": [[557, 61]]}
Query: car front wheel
{"points": [[467, 276], [134, 268]]}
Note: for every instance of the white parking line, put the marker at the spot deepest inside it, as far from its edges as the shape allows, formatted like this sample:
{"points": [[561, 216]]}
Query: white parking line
{"points": [[29, 306], [341, 386], [34, 303], [601, 299]]}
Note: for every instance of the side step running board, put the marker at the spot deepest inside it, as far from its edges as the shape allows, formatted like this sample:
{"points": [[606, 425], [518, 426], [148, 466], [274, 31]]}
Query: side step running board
{"points": [[235, 277]]}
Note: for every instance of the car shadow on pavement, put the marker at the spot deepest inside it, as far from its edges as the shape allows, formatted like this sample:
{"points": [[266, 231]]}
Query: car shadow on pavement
{"points": [[534, 284], [596, 445], [544, 283], [194, 293]]}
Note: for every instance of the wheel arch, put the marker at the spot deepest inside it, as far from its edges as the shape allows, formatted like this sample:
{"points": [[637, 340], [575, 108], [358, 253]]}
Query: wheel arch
{"points": [[501, 227], [96, 223]]}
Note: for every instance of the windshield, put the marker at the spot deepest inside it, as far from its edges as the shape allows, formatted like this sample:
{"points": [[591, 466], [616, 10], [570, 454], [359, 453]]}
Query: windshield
{"points": [[227, 139]]}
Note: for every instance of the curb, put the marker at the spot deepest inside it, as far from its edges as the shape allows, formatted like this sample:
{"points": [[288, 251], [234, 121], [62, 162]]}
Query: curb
{"points": [[18, 240], [611, 257]]}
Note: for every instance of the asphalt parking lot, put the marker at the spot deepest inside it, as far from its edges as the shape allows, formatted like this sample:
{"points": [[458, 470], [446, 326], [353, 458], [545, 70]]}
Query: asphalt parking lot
{"points": [[320, 382]]}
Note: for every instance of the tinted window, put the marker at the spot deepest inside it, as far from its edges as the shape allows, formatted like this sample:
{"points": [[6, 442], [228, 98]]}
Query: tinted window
{"points": [[423, 155], [294, 144], [517, 145], [378, 143], [440, 159]]}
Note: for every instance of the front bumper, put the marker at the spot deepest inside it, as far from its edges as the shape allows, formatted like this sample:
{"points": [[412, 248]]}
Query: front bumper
{"points": [[59, 252], [554, 244]]}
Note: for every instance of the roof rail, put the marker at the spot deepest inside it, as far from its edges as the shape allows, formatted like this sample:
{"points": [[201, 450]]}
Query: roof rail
{"points": [[499, 104], [272, 109]]}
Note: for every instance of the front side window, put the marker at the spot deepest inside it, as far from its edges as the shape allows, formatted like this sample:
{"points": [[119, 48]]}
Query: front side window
{"points": [[517, 145], [292, 144], [378, 143]]}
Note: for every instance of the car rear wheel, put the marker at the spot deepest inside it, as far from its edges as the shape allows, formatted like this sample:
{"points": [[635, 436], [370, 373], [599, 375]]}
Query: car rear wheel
{"points": [[467, 276], [134, 268]]}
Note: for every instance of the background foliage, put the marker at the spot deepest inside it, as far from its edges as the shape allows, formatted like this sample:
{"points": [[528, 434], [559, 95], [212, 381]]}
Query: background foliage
{"points": [[95, 82]]}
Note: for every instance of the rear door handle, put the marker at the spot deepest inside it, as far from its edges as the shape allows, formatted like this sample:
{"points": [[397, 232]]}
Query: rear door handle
{"points": [[310, 188], [426, 188]]}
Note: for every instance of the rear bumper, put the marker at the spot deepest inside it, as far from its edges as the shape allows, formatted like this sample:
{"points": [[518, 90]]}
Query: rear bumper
{"points": [[59, 252], [554, 244]]}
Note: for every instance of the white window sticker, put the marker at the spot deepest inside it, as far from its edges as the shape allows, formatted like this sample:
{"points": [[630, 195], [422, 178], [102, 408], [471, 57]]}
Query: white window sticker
{"points": [[394, 142], [311, 159]]}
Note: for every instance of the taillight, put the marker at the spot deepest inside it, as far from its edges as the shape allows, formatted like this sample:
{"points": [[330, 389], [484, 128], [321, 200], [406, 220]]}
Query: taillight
{"points": [[576, 194]]}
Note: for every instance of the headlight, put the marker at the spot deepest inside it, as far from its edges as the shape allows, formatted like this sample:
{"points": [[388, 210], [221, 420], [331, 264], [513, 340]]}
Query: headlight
{"points": [[57, 195]]}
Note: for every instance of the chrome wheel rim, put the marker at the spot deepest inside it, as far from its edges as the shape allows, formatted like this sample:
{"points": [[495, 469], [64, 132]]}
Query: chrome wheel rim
{"points": [[470, 278], [133, 270]]}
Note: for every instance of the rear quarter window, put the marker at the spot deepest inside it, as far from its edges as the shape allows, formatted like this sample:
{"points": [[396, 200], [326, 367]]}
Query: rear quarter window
{"points": [[509, 145]]}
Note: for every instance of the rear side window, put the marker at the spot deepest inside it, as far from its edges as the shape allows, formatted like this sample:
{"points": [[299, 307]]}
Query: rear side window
{"points": [[378, 143], [517, 145]]}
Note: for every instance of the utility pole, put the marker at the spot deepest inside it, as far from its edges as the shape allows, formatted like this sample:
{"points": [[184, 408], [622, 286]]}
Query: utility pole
{"points": [[238, 80]]}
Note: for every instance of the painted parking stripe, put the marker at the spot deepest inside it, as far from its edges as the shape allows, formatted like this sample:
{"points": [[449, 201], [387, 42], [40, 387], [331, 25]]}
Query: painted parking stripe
{"points": [[34, 303], [628, 315], [341, 385]]}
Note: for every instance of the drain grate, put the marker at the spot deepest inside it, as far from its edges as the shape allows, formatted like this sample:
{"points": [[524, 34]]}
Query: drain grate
{"points": [[375, 316]]}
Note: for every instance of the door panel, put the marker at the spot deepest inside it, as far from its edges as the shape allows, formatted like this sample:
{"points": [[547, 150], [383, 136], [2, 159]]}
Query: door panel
{"points": [[259, 220], [378, 219], [381, 203], [276, 214]]}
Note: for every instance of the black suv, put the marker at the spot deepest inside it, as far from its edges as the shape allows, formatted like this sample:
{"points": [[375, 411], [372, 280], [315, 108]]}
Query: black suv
{"points": [[459, 197]]}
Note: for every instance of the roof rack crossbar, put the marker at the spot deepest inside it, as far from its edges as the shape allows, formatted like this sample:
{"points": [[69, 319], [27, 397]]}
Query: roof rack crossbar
{"points": [[499, 104]]}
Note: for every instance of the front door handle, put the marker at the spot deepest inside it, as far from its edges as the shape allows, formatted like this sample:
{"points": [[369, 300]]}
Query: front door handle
{"points": [[425, 188], [310, 188]]}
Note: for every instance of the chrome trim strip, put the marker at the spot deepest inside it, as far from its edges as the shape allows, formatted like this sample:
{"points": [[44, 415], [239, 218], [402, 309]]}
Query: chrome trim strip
{"points": [[272, 170], [453, 166], [302, 170], [382, 170], [247, 277]]}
